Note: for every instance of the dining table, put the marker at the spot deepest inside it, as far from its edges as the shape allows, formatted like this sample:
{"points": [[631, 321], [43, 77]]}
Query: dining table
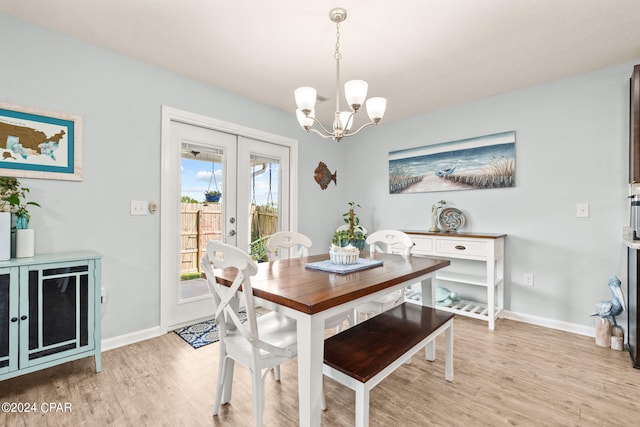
{"points": [[308, 295]]}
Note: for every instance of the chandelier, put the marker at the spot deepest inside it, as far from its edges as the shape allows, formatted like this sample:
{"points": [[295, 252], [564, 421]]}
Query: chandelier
{"points": [[355, 92]]}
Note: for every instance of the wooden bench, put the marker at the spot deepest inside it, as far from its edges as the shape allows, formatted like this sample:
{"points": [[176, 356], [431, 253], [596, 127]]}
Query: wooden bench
{"points": [[368, 352]]}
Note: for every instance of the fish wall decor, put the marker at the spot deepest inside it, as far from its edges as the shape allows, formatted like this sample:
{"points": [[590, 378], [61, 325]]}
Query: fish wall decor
{"points": [[323, 176]]}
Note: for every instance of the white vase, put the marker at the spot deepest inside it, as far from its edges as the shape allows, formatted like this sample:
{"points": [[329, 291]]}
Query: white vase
{"points": [[5, 236], [25, 242]]}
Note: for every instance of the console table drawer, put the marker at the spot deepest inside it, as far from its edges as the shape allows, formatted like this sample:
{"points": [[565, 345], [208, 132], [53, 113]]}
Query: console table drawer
{"points": [[422, 245], [461, 247]]}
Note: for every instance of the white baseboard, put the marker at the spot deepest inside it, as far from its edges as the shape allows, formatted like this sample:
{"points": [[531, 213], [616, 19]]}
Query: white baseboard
{"points": [[133, 337], [550, 323]]}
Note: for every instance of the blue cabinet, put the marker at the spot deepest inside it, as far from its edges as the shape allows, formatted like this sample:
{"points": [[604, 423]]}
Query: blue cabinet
{"points": [[49, 311]]}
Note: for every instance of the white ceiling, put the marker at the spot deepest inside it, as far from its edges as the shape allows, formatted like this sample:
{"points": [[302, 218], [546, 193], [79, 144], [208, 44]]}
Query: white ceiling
{"points": [[421, 55]]}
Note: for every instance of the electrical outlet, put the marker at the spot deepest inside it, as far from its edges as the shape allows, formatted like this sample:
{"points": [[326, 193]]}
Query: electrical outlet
{"points": [[527, 279], [582, 210]]}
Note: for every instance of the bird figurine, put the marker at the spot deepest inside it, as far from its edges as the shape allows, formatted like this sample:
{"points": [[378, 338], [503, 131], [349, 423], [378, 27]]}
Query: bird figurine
{"points": [[615, 305]]}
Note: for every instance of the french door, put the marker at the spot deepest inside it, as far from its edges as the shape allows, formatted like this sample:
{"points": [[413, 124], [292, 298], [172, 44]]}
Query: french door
{"points": [[252, 171]]}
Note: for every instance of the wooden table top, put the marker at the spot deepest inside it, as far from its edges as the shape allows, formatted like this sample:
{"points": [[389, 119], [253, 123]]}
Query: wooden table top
{"points": [[464, 234], [288, 283]]}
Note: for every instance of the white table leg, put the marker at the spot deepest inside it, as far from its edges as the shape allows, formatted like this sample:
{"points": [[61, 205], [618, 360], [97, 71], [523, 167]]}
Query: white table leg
{"points": [[448, 361], [362, 405], [310, 358], [428, 300], [428, 291]]}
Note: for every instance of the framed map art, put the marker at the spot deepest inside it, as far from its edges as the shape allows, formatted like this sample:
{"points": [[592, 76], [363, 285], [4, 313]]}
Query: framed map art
{"points": [[40, 144]]}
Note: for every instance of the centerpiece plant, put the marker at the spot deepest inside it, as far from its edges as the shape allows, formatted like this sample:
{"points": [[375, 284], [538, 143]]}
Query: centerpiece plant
{"points": [[351, 232], [13, 198]]}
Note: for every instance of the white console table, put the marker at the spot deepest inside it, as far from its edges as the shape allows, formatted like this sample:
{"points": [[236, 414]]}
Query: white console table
{"points": [[484, 247]]}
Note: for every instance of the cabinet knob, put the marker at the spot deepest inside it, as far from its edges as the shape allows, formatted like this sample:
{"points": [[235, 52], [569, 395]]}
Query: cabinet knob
{"points": [[460, 247], [23, 317], [14, 319]]}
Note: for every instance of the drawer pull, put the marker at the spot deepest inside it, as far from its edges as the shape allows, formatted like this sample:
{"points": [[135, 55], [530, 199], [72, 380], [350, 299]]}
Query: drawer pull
{"points": [[460, 247]]}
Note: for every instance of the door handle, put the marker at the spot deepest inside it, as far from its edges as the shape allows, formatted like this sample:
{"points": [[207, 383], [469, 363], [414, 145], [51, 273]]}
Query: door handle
{"points": [[14, 319], [23, 317], [232, 233]]}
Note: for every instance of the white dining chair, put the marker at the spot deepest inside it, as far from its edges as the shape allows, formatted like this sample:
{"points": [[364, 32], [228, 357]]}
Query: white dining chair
{"points": [[385, 241], [261, 343], [291, 243], [298, 245]]}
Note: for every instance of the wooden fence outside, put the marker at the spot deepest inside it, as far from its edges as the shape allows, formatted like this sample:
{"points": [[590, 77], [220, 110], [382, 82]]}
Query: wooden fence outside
{"points": [[203, 222]]}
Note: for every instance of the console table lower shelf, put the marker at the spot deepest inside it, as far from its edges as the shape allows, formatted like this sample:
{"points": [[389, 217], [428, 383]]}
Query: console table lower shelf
{"points": [[468, 308]]}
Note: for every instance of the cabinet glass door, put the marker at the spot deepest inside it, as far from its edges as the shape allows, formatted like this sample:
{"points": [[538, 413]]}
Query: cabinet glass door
{"points": [[58, 307], [5, 321], [8, 320]]}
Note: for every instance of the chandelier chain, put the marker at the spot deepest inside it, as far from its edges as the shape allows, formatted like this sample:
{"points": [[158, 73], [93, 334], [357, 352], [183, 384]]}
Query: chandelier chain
{"points": [[337, 55]]}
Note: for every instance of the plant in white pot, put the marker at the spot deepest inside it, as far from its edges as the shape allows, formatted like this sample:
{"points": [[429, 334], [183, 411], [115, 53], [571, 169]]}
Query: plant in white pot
{"points": [[351, 233], [13, 200]]}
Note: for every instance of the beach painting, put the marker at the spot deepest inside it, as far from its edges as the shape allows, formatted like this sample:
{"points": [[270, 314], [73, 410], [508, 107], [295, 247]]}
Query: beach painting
{"points": [[469, 164]]}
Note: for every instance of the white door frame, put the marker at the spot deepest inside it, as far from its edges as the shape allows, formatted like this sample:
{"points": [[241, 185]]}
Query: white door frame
{"points": [[170, 170]]}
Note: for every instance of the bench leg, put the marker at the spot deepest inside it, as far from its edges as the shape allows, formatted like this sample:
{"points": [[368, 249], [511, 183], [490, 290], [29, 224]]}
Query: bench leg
{"points": [[362, 405], [448, 362]]}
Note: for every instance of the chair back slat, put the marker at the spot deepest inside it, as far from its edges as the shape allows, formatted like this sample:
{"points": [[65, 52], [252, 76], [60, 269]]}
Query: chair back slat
{"points": [[296, 244]]}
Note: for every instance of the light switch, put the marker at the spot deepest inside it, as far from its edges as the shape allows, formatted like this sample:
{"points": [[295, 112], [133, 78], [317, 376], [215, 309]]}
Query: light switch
{"points": [[138, 207]]}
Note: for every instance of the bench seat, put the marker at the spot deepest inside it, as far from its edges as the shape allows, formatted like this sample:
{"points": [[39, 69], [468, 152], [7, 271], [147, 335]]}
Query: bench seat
{"points": [[368, 352]]}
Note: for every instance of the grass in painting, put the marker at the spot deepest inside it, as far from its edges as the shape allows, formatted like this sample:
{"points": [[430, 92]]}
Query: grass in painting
{"points": [[498, 174]]}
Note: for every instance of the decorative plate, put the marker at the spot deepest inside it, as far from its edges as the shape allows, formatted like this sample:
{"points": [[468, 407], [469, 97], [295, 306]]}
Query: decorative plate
{"points": [[452, 219]]}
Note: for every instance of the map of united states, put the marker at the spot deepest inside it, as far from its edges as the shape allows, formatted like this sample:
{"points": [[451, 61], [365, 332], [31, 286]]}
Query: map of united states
{"points": [[25, 141]]}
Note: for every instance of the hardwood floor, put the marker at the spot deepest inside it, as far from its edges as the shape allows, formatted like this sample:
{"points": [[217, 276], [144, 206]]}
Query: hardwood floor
{"points": [[518, 374]]}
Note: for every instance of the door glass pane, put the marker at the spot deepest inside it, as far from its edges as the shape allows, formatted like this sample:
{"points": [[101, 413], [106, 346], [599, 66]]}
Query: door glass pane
{"points": [[264, 203], [201, 213]]}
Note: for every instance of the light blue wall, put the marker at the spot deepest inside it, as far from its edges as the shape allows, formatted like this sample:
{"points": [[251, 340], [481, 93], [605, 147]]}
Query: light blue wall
{"points": [[571, 147], [120, 102]]}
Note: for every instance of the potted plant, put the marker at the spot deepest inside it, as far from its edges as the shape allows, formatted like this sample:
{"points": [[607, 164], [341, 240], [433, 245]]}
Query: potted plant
{"points": [[13, 201], [351, 232], [212, 196]]}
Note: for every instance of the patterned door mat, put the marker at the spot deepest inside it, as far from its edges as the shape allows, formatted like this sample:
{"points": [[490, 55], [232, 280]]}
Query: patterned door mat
{"points": [[203, 333]]}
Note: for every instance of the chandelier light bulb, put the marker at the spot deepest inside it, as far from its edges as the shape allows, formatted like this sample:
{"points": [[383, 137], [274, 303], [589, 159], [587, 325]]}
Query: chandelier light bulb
{"points": [[305, 98], [355, 92], [305, 120], [376, 108], [346, 121]]}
